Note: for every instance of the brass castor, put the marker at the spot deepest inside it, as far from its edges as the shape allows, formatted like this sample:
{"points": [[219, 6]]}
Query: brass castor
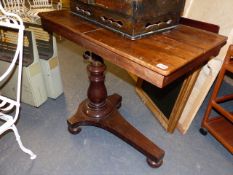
{"points": [[74, 130], [87, 55], [118, 105], [203, 131], [154, 164]]}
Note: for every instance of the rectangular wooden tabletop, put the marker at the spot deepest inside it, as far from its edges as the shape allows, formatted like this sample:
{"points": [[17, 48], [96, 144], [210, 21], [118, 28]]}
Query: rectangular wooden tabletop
{"points": [[159, 58]]}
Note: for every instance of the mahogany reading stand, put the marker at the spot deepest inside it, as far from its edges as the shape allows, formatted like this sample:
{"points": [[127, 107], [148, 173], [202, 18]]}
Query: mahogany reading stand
{"points": [[159, 59]]}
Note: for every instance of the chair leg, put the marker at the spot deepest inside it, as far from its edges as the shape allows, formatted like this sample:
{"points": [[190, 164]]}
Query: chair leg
{"points": [[22, 147]]}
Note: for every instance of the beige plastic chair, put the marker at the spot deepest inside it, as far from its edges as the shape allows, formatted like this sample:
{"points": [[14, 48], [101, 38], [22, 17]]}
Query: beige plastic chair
{"points": [[7, 105], [215, 12]]}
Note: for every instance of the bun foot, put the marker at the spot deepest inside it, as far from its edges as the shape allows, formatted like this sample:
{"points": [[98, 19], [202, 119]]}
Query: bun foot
{"points": [[74, 130], [154, 164]]}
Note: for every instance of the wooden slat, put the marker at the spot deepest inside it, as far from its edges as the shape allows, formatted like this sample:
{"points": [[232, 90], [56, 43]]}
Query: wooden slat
{"points": [[194, 37], [222, 129], [221, 110], [143, 52], [73, 22], [229, 67], [175, 47], [224, 98]]}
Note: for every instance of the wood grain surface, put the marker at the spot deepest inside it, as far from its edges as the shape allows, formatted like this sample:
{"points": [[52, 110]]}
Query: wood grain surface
{"points": [[159, 59]]}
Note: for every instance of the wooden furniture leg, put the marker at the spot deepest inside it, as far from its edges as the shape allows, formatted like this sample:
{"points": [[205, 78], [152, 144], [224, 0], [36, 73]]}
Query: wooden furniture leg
{"points": [[221, 126], [100, 110]]}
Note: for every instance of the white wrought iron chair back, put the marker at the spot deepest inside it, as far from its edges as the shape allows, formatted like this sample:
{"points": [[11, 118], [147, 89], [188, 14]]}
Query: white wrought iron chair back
{"points": [[40, 4], [37, 6], [15, 6], [44, 4], [12, 21]]}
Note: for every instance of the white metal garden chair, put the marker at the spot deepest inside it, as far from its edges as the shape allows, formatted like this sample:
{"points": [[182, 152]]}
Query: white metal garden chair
{"points": [[8, 105], [15, 6], [18, 7], [37, 6]]}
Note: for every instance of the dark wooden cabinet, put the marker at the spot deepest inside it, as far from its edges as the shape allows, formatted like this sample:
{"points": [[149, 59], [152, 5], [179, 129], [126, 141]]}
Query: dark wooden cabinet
{"points": [[132, 18]]}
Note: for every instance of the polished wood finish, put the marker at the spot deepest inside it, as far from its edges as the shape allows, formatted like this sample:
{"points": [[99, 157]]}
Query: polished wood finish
{"points": [[221, 127], [160, 59], [182, 49], [170, 122], [100, 110], [200, 25]]}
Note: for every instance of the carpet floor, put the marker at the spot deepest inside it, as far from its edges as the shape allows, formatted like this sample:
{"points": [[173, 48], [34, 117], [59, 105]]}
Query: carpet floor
{"points": [[96, 152]]}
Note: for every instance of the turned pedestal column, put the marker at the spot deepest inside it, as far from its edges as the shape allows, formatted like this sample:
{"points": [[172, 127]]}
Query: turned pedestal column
{"points": [[100, 110]]}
